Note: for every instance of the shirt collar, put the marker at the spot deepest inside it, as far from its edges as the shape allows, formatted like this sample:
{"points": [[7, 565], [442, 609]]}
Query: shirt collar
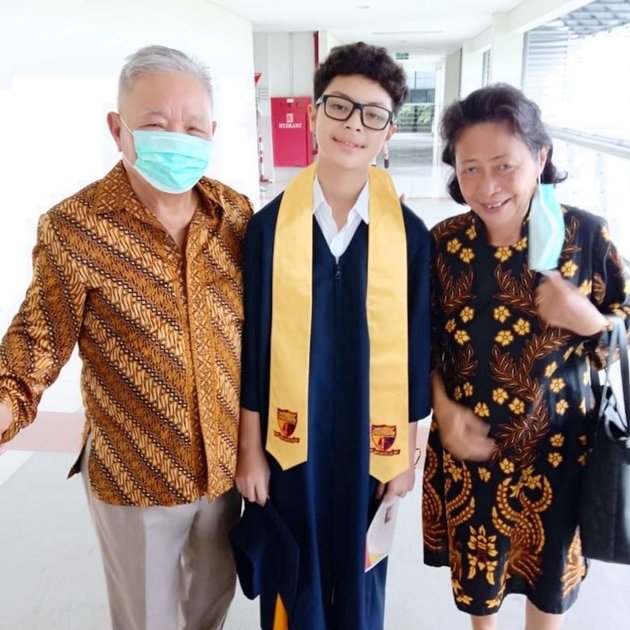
{"points": [[114, 193], [361, 205]]}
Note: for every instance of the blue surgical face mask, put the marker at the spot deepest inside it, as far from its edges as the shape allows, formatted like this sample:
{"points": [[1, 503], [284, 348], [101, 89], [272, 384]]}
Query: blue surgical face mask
{"points": [[171, 162], [546, 229]]}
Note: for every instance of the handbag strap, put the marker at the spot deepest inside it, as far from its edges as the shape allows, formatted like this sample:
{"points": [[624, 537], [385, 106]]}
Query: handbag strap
{"points": [[619, 341]]}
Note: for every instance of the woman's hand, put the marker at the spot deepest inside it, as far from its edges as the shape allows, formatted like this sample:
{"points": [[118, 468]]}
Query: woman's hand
{"points": [[462, 433], [561, 304]]}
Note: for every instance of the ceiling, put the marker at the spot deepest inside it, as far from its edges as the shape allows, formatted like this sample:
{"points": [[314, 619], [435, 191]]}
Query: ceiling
{"points": [[596, 16], [423, 26]]}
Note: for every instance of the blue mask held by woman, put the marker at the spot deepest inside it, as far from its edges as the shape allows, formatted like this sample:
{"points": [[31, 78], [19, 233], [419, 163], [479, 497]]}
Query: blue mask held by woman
{"points": [[171, 162], [546, 229]]}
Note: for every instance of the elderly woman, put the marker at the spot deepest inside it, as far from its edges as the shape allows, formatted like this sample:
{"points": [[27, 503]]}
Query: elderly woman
{"points": [[511, 381]]}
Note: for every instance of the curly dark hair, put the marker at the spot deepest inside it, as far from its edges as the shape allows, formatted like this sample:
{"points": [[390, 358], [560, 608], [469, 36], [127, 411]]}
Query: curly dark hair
{"points": [[498, 103], [372, 62]]}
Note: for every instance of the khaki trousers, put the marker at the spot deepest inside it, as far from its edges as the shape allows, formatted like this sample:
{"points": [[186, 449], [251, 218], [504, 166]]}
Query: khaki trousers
{"points": [[166, 568]]}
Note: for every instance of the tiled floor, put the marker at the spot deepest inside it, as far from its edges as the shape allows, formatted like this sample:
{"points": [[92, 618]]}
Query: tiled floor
{"points": [[50, 570], [51, 578]]}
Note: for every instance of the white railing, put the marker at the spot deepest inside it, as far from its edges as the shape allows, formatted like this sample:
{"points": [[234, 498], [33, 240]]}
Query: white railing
{"points": [[599, 178], [601, 144]]}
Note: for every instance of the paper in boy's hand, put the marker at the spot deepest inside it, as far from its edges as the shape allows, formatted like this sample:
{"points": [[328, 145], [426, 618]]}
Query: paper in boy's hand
{"points": [[380, 534]]}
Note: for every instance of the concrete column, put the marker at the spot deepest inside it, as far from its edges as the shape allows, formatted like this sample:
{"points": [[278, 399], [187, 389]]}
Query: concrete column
{"points": [[326, 43], [452, 76], [292, 61], [506, 59], [263, 65], [287, 64], [471, 69]]}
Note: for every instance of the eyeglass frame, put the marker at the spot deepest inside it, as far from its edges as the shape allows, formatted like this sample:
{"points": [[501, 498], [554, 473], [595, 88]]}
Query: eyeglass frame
{"points": [[360, 106]]}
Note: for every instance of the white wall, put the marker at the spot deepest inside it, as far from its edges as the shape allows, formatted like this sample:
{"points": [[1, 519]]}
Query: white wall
{"points": [[59, 63]]}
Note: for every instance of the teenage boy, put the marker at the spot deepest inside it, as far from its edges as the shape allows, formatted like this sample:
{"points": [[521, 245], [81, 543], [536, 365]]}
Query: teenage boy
{"points": [[336, 348]]}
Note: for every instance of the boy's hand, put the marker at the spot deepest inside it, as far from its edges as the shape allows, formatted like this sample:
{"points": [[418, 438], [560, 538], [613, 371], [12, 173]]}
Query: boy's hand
{"points": [[398, 487], [252, 474]]}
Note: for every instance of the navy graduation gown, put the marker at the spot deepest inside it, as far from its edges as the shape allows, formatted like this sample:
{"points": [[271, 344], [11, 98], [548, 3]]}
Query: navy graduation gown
{"points": [[327, 501]]}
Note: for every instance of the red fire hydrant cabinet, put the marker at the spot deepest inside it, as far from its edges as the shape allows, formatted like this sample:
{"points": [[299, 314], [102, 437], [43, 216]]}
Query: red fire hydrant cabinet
{"points": [[292, 139]]}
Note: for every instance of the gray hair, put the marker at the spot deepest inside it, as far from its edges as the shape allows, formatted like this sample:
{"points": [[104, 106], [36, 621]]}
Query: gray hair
{"points": [[161, 59]]}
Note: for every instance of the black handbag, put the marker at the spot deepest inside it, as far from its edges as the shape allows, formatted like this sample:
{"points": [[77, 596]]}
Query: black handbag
{"points": [[605, 497]]}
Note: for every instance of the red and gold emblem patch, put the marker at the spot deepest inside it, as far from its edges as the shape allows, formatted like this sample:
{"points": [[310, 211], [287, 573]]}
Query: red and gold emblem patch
{"points": [[383, 438], [287, 421]]}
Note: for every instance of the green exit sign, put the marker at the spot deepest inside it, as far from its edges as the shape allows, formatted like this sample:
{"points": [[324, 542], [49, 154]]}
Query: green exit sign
{"points": [[401, 56]]}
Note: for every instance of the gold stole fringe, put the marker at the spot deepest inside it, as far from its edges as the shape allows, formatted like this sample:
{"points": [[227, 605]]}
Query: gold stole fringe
{"points": [[287, 434]]}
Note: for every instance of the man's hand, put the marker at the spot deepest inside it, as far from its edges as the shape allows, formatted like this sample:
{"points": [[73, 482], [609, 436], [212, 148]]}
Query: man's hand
{"points": [[252, 474], [399, 486], [462, 433], [561, 304], [6, 417]]}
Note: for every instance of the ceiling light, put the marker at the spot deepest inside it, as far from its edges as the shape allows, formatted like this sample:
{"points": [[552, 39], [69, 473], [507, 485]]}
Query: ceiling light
{"points": [[402, 33]]}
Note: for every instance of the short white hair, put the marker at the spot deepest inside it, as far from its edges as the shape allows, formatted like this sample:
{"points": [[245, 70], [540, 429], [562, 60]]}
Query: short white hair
{"points": [[161, 59]]}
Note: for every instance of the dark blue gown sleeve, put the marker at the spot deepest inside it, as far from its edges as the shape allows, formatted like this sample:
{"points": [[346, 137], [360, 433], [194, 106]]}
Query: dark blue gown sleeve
{"points": [[252, 283]]}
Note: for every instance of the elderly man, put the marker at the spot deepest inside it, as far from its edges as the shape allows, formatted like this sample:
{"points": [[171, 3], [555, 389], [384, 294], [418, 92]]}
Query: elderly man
{"points": [[143, 269]]}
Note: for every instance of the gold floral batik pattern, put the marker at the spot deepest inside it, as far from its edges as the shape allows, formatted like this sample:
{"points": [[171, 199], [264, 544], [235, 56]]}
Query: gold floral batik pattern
{"points": [[509, 524]]}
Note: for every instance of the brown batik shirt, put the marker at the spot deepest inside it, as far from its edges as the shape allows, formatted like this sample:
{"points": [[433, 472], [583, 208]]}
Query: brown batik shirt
{"points": [[159, 334]]}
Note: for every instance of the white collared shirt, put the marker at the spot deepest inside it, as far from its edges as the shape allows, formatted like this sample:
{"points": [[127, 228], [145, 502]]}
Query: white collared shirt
{"points": [[338, 240]]}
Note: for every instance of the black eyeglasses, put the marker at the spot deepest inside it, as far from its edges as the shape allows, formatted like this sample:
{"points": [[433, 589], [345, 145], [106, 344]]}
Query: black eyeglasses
{"points": [[340, 108]]}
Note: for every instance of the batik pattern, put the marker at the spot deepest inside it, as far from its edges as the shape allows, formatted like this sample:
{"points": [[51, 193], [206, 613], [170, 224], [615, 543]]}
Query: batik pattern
{"points": [[159, 333], [509, 525]]}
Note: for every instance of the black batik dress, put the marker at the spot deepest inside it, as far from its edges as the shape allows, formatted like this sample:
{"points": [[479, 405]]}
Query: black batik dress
{"points": [[509, 524]]}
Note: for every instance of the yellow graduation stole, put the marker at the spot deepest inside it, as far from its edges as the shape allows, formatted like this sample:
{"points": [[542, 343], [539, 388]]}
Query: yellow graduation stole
{"points": [[287, 432]]}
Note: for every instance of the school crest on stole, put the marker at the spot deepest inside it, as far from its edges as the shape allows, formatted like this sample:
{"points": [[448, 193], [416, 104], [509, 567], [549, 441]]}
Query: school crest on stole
{"points": [[287, 421], [383, 438]]}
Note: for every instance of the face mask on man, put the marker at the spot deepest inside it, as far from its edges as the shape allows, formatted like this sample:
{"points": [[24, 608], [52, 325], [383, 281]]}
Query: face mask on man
{"points": [[171, 162], [546, 229]]}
